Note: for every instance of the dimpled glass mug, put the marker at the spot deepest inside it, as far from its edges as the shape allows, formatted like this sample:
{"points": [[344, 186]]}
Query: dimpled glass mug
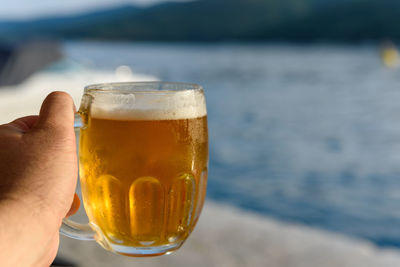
{"points": [[143, 159]]}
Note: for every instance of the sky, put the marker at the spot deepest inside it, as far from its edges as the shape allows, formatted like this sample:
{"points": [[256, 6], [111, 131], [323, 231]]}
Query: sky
{"points": [[26, 9]]}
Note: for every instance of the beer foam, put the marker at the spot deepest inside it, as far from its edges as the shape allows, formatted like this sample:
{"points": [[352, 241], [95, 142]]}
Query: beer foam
{"points": [[155, 105]]}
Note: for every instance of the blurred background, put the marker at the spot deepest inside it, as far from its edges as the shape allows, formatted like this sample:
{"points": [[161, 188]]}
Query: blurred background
{"points": [[303, 104]]}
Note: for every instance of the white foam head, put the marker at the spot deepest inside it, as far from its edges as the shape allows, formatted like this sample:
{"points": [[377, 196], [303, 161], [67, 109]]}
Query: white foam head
{"points": [[153, 105]]}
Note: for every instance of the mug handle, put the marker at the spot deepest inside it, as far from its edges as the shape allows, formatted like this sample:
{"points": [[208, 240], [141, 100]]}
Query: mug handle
{"points": [[70, 228]]}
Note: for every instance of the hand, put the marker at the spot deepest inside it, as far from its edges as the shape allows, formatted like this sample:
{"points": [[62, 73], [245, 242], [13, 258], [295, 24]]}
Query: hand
{"points": [[38, 173]]}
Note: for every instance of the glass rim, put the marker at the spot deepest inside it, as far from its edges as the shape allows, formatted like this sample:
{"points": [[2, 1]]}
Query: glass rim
{"points": [[143, 87]]}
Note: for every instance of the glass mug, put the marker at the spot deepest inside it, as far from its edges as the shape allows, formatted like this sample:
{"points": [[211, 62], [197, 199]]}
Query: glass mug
{"points": [[143, 159]]}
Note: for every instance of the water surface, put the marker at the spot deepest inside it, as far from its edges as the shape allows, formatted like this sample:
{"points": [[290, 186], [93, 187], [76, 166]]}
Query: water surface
{"points": [[308, 134]]}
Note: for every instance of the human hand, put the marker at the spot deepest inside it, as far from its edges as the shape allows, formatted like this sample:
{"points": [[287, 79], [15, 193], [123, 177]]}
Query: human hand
{"points": [[38, 171]]}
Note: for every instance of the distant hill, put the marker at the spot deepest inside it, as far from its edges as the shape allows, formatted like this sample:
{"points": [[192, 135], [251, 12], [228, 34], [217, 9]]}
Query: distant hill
{"points": [[225, 20]]}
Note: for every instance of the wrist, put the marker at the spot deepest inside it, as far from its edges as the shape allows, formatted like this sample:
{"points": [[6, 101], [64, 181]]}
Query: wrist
{"points": [[29, 205], [24, 233]]}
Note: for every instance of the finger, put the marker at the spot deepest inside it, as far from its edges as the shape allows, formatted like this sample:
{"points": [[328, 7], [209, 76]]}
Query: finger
{"points": [[57, 111], [24, 124], [75, 206]]}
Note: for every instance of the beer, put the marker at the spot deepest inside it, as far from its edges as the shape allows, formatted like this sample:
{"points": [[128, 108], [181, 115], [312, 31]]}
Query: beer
{"points": [[143, 172]]}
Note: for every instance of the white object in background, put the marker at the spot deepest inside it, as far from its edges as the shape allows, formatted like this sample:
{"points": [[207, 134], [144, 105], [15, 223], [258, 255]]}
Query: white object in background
{"points": [[26, 98]]}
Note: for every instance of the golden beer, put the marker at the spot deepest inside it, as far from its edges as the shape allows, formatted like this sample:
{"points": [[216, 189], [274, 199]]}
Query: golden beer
{"points": [[143, 177]]}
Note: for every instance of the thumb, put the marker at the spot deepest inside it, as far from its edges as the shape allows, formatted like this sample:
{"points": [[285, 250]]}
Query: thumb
{"points": [[57, 112]]}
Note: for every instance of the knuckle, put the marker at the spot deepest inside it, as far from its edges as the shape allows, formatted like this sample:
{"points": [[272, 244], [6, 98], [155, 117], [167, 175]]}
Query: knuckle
{"points": [[54, 138]]}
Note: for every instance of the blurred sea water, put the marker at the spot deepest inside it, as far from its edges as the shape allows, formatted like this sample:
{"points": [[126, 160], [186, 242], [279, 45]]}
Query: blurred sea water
{"points": [[306, 134]]}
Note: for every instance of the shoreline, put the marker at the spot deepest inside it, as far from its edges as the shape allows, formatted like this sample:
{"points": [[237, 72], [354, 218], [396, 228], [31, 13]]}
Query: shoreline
{"points": [[228, 236]]}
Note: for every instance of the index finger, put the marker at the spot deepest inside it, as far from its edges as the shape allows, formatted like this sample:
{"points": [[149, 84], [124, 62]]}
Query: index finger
{"points": [[24, 124]]}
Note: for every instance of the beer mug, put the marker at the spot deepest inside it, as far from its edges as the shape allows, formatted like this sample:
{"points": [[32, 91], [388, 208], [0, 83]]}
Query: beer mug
{"points": [[143, 159]]}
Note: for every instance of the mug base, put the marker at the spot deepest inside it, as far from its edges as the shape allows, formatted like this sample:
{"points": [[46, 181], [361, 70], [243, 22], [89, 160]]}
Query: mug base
{"points": [[144, 251]]}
